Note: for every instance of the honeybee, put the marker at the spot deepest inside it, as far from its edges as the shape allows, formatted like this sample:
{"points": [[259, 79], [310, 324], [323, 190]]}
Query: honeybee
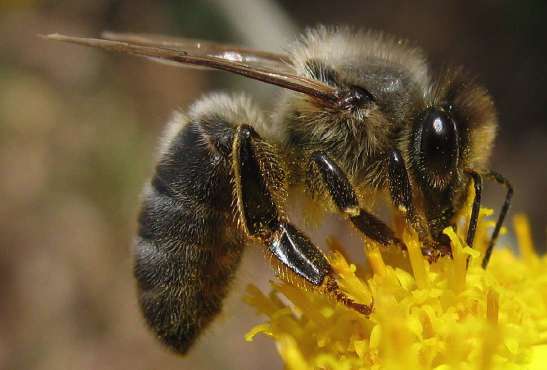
{"points": [[363, 117]]}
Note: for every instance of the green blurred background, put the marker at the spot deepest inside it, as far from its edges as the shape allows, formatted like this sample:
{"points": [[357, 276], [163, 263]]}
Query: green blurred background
{"points": [[78, 130]]}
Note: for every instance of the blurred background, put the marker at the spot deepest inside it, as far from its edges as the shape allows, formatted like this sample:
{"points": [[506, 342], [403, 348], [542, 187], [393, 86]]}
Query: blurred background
{"points": [[78, 130]]}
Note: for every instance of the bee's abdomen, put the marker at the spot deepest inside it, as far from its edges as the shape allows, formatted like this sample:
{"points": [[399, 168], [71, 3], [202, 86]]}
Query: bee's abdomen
{"points": [[188, 247]]}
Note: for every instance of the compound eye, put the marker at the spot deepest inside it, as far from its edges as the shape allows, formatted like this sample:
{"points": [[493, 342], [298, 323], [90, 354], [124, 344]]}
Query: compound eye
{"points": [[438, 146]]}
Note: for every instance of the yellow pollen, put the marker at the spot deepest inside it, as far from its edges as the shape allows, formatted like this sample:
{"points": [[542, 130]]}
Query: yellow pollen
{"points": [[448, 315], [417, 261], [492, 305], [375, 260], [524, 237]]}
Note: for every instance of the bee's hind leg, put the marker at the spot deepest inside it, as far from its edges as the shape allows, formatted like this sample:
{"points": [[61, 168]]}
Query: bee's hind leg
{"points": [[260, 187]]}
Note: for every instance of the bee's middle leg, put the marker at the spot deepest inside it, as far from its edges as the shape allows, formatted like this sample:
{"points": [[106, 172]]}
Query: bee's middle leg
{"points": [[341, 191], [260, 187]]}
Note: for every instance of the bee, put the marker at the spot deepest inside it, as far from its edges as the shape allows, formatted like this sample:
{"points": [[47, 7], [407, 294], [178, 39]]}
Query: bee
{"points": [[363, 117]]}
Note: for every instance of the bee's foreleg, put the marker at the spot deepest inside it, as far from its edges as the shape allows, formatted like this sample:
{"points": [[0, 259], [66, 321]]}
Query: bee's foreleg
{"points": [[477, 184], [343, 195], [399, 185], [401, 196], [260, 187]]}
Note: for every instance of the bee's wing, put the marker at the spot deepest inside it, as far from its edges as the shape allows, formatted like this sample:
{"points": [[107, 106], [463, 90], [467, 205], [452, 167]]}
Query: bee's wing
{"points": [[250, 57], [194, 56]]}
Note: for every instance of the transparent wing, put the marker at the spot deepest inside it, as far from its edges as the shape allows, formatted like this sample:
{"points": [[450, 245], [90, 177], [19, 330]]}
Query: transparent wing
{"points": [[250, 57], [204, 57]]}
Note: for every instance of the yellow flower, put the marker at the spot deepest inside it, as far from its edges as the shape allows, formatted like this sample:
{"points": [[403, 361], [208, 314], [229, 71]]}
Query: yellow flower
{"points": [[440, 316]]}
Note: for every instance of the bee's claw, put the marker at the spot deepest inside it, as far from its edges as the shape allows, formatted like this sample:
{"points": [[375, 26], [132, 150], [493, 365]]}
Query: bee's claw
{"points": [[434, 253], [333, 289]]}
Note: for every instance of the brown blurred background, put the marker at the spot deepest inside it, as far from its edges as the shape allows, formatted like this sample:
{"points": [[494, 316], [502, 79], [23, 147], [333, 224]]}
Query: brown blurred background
{"points": [[78, 129]]}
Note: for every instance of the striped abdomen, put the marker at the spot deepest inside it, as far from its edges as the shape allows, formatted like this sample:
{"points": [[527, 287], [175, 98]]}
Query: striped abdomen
{"points": [[188, 247]]}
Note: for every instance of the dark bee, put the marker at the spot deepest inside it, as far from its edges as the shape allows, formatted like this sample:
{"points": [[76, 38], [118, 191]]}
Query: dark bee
{"points": [[363, 118]]}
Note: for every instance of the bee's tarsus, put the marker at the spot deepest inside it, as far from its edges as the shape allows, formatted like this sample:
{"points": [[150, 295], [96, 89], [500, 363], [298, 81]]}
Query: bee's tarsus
{"points": [[333, 289], [296, 251]]}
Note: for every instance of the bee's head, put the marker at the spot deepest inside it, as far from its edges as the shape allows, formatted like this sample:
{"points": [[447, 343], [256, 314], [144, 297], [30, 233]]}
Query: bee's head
{"points": [[453, 132]]}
